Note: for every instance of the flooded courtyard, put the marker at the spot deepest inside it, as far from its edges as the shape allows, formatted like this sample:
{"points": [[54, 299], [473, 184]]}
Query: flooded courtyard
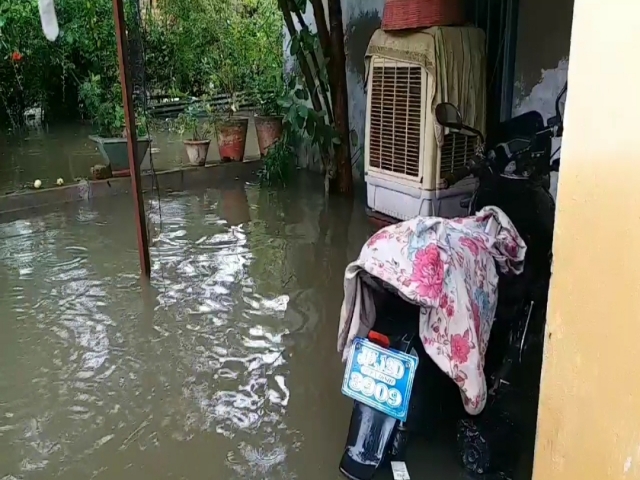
{"points": [[65, 151], [224, 366]]}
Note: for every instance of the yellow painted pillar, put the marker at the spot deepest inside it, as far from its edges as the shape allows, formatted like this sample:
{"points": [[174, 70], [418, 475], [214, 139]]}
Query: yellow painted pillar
{"points": [[589, 417]]}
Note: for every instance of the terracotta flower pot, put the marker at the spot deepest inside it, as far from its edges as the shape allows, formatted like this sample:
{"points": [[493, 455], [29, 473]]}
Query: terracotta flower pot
{"points": [[197, 151], [269, 131], [232, 138]]}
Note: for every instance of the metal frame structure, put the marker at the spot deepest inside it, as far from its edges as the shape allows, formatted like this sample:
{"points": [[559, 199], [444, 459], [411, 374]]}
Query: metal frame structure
{"points": [[132, 139]]}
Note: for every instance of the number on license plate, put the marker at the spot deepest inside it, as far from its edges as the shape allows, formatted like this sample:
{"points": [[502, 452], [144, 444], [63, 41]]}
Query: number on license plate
{"points": [[380, 378]]}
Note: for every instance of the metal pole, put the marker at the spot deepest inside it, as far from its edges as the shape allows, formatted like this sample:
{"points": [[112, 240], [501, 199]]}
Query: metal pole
{"points": [[132, 139]]}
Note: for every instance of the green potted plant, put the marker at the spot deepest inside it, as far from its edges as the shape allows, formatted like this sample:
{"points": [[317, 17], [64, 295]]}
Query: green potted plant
{"points": [[269, 119], [199, 133], [104, 107], [231, 131], [228, 75]]}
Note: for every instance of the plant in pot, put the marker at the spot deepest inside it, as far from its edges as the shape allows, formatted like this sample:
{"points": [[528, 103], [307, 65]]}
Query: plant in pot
{"points": [[268, 122], [231, 131], [104, 107], [228, 67], [199, 133]]}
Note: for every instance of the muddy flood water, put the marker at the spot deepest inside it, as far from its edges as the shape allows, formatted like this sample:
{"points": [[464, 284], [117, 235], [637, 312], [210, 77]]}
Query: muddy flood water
{"points": [[65, 151], [225, 367]]}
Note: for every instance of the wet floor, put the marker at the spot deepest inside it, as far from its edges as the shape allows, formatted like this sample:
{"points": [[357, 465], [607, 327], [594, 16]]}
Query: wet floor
{"points": [[65, 151], [225, 367]]}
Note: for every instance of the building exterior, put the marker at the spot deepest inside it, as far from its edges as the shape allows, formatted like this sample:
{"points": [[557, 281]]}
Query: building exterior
{"points": [[538, 65], [590, 397]]}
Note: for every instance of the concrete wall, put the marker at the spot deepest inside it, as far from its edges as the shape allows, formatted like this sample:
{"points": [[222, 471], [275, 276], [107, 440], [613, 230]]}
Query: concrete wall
{"points": [[589, 414], [542, 57], [362, 18]]}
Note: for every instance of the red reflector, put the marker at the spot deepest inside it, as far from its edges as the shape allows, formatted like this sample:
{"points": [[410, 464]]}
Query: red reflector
{"points": [[379, 339]]}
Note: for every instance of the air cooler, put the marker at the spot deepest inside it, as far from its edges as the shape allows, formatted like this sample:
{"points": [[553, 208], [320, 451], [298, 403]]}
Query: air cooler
{"points": [[406, 152]]}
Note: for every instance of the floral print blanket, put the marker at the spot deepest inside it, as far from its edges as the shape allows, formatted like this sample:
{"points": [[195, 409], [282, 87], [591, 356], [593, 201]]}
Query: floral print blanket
{"points": [[449, 268]]}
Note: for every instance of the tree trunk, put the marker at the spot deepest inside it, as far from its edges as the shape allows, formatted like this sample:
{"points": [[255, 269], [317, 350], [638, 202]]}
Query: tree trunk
{"points": [[344, 174], [323, 29]]}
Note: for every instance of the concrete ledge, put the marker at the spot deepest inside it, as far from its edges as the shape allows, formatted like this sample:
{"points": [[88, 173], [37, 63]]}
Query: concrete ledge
{"points": [[214, 175]]}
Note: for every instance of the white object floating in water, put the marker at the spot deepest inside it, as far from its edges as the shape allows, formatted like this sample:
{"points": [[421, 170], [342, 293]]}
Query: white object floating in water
{"points": [[37, 184], [33, 116], [48, 19], [84, 189], [60, 182], [400, 471]]}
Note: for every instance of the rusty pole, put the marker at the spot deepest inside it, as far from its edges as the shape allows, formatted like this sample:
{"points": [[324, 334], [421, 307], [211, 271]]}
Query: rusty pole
{"points": [[132, 138]]}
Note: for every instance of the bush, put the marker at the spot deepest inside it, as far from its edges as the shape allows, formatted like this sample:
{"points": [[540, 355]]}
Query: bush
{"points": [[277, 164], [200, 46], [188, 44]]}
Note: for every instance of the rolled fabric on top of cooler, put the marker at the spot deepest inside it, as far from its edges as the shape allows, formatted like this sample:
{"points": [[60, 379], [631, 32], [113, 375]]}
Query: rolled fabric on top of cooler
{"points": [[409, 14]]}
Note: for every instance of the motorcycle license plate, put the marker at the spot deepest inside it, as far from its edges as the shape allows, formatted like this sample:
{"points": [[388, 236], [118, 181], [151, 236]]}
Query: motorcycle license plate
{"points": [[380, 378]]}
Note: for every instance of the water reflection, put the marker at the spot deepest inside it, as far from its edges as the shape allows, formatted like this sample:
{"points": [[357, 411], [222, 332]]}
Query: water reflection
{"points": [[223, 365]]}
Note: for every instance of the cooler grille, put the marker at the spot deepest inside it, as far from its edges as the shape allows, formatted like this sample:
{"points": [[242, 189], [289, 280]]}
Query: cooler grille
{"points": [[395, 116], [458, 148]]}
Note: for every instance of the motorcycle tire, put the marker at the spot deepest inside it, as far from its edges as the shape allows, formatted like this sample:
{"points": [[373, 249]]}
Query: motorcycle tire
{"points": [[399, 444], [488, 444]]}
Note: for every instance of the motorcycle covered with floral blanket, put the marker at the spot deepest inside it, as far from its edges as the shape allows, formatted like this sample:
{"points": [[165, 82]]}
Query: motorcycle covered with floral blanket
{"points": [[422, 323]]}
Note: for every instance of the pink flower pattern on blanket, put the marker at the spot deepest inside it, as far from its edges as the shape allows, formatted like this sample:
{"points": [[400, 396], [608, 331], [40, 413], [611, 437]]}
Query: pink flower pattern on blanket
{"points": [[450, 268], [428, 272]]}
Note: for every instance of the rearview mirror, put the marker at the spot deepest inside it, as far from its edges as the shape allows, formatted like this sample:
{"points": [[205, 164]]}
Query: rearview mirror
{"points": [[449, 116]]}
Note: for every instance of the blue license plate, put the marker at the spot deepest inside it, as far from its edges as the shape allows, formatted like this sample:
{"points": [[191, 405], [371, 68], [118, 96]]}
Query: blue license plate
{"points": [[380, 378]]}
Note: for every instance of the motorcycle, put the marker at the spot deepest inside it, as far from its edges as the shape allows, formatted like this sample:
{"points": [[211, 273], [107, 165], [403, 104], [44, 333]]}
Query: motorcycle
{"points": [[513, 175]]}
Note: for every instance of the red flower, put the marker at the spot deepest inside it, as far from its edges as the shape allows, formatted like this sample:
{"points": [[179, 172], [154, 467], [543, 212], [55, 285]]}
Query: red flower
{"points": [[471, 245], [428, 272], [512, 248], [16, 56], [444, 301], [446, 305], [460, 348], [476, 316], [450, 310], [380, 236]]}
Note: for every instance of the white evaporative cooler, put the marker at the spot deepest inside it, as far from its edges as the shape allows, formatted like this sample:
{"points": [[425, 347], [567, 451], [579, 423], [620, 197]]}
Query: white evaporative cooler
{"points": [[406, 151]]}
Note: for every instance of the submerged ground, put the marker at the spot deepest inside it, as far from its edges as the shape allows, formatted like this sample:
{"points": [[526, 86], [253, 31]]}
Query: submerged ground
{"points": [[65, 151], [225, 367]]}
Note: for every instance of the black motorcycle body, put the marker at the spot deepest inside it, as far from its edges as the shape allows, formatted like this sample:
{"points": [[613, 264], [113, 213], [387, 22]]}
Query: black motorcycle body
{"points": [[374, 438]]}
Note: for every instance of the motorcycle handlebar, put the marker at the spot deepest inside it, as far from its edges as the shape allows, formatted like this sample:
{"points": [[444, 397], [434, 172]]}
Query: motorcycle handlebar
{"points": [[454, 177]]}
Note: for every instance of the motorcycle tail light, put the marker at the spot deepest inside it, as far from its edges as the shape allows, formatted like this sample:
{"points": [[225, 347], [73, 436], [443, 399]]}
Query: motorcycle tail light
{"points": [[379, 339]]}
